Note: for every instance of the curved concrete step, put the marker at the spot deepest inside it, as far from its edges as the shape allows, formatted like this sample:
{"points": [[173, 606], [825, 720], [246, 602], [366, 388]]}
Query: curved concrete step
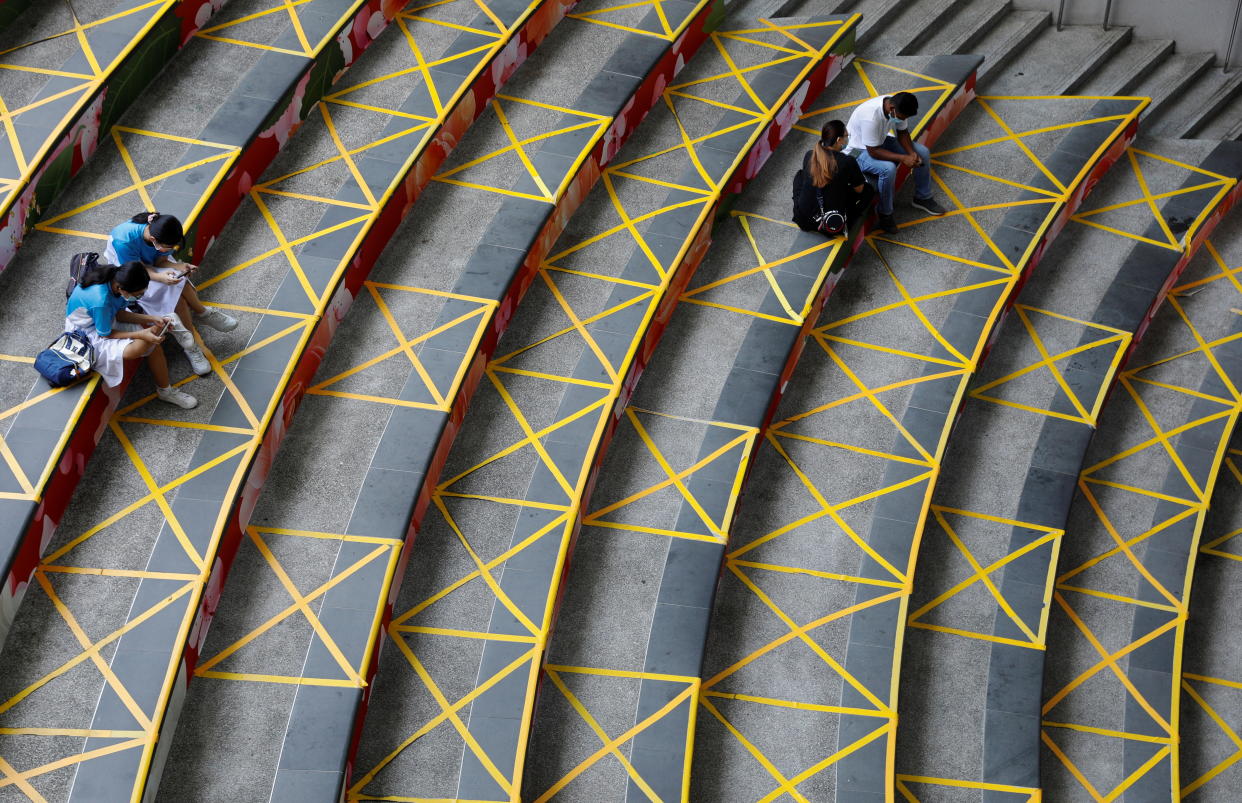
{"points": [[973, 658], [1112, 679], [1122, 73], [238, 102], [479, 596], [648, 558], [153, 563], [1211, 661], [807, 627], [382, 411], [60, 94]]}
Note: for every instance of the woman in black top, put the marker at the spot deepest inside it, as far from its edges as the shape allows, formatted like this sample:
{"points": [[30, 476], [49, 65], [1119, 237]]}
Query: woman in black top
{"points": [[836, 176]]}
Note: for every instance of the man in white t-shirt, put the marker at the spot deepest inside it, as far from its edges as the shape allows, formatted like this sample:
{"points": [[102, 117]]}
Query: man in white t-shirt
{"points": [[880, 141]]}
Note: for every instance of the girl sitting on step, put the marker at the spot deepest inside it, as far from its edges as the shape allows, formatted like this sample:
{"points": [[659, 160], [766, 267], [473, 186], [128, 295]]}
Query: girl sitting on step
{"points": [[151, 238], [98, 306], [829, 174]]}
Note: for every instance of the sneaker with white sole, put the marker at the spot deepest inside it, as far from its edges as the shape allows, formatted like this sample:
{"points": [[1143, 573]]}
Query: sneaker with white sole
{"points": [[198, 361], [216, 319], [928, 205], [178, 397]]}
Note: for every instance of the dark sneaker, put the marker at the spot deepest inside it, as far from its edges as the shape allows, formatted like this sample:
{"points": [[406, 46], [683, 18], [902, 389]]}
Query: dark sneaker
{"points": [[929, 206], [887, 224]]}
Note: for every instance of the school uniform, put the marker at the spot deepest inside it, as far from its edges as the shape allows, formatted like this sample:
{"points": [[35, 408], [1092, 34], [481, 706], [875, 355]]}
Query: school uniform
{"points": [[126, 244], [93, 310]]}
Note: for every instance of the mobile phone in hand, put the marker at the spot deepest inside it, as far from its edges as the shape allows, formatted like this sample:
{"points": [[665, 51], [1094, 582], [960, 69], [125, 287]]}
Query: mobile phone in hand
{"points": [[160, 332]]}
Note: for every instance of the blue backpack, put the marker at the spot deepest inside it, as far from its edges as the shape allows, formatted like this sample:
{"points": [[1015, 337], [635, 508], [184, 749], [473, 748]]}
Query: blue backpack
{"points": [[66, 360]]}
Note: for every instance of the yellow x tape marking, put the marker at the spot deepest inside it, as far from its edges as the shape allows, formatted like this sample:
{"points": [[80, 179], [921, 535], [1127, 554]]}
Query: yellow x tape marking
{"points": [[982, 574], [1119, 339], [1222, 184], [517, 147], [611, 746], [480, 317], [385, 548], [1215, 716], [717, 530], [287, 6], [224, 161]]}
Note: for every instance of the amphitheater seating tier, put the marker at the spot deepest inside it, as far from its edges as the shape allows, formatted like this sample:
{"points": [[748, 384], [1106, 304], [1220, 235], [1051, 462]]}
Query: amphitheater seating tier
{"points": [[392, 389], [1111, 719], [973, 661], [638, 598], [218, 142], [287, 267], [479, 593]]}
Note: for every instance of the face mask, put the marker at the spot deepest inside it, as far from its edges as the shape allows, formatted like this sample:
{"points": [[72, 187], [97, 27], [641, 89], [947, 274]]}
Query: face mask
{"points": [[128, 298]]}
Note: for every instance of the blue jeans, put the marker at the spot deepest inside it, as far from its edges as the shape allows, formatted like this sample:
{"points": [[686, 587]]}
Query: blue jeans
{"points": [[885, 173]]}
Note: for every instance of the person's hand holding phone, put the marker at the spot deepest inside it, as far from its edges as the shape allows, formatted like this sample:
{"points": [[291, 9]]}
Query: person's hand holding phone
{"points": [[169, 277]]}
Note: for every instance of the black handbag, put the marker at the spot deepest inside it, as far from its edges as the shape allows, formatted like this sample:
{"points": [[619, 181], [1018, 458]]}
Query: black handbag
{"points": [[829, 221]]}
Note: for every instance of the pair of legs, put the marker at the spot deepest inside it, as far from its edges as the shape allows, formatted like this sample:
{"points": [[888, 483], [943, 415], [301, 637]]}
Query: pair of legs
{"points": [[154, 353], [885, 174]]}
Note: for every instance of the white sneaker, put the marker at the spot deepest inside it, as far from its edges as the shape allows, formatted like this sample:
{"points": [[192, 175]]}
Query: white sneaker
{"points": [[198, 361], [216, 319], [174, 396]]}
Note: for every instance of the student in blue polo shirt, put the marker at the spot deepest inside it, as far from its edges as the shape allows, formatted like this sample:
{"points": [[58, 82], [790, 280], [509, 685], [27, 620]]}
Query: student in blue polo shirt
{"points": [[151, 238], [98, 307]]}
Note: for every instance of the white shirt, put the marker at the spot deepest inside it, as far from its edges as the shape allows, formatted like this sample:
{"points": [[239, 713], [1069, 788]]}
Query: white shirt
{"points": [[868, 125]]}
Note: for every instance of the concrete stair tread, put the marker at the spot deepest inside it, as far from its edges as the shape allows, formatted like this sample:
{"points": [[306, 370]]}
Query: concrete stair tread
{"points": [[1008, 40], [913, 24], [1166, 83], [877, 14], [1213, 92], [975, 21], [1056, 62], [1127, 67]]}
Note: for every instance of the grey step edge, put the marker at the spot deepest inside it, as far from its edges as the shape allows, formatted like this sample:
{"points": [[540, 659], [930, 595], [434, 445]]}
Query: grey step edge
{"points": [[1085, 72], [1125, 70], [1168, 92], [1026, 27]]}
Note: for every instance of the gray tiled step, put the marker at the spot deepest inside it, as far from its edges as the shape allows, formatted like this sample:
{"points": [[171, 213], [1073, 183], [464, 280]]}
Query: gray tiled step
{"points": [[1056, 62], [965, 29], [1166, 84], [1213, 92], [1127, 68], [913, 24], [1008, 41], [1226, 125]]}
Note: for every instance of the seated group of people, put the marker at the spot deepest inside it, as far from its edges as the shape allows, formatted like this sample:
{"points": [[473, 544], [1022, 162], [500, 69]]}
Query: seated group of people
{"points": [[876, 142], [137, 295]]}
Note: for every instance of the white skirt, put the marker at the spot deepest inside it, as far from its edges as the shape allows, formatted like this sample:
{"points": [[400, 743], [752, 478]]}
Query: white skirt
{"points": [[109, 352], [160, 299]]}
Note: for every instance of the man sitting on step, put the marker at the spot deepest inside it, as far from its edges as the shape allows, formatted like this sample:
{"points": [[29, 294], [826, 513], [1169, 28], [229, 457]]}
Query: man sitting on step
{"points": [[880, 141]]}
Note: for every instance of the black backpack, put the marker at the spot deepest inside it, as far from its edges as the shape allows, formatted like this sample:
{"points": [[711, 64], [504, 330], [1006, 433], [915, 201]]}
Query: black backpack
{"points": [[79, 264]]}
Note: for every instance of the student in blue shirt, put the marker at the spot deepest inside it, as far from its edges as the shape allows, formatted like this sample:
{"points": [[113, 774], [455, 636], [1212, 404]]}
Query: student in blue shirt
{"points": [[98, 307], [151, 238]]}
